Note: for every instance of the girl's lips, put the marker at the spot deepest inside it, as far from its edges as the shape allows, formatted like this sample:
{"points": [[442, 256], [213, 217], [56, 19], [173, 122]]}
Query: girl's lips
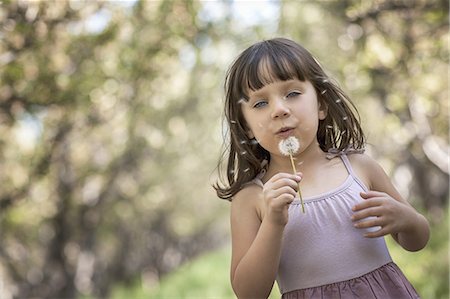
{"points": [[285, 132]]}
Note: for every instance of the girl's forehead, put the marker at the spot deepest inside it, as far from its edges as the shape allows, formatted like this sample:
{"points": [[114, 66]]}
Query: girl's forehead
{"points": [[268, 71]]}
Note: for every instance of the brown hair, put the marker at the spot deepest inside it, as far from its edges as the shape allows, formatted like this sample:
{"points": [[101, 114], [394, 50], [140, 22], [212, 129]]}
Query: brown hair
{"points": [[285, 60]]}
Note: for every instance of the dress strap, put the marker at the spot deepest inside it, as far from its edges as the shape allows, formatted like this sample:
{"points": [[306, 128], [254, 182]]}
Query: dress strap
{"points": [[258, 179], [334, 152], [351, 172], [347, 164]]}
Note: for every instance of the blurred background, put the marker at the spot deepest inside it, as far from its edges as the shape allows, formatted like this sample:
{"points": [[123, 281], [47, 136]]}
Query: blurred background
{"points": [[111, 129]]}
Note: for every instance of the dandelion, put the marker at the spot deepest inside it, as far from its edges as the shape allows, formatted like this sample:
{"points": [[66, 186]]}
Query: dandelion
{"points": [[289, 147]]}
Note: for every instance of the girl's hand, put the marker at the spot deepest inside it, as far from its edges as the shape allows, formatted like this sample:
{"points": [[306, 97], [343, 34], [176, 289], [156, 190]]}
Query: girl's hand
{"points": [[279, 191], [391, 215]]}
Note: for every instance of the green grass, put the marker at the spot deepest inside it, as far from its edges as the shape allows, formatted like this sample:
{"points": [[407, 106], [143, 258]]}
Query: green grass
{"points": [[204, 278], [207, 277]]}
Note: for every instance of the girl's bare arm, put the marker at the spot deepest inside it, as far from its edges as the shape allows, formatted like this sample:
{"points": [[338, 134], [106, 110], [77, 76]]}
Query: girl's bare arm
{"points": [[256, 231], [393, 213]]}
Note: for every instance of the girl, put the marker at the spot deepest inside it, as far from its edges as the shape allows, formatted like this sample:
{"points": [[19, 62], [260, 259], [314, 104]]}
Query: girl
{"points": [[276, 89]]}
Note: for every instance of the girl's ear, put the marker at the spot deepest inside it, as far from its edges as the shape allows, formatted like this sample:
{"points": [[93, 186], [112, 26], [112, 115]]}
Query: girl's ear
{"points": [[323, 110]]}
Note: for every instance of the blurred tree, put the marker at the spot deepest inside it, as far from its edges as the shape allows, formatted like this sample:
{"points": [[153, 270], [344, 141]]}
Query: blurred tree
{"points": [[101, 120], [393, 60]]}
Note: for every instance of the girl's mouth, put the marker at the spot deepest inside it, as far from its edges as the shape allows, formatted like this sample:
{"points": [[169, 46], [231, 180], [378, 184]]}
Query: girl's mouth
{"points": [[285, 132]]}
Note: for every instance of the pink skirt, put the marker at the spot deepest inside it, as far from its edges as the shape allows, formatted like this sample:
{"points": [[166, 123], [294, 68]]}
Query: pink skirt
{"points": [[386, 282]]}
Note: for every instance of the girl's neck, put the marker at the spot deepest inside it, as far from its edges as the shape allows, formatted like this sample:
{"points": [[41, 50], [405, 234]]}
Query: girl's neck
{"points": [[305, 162]]}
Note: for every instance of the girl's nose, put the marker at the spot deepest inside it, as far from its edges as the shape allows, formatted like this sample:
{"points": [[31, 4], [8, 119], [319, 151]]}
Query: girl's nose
{"points": [[280, 109]]}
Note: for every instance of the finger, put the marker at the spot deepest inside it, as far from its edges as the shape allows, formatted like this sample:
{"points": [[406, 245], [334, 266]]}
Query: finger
{"points": [[284, 190], [365, 213], [283, 201], [286, 198], [284, 175], [371, 193], [371, 222], [379, 233], [280, 202], [367, 203], [279, 187], [291, 182]]}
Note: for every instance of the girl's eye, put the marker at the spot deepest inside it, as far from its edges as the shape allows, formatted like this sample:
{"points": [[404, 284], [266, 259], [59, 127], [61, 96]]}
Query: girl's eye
{"points": [[260, 104], [293, 94]]}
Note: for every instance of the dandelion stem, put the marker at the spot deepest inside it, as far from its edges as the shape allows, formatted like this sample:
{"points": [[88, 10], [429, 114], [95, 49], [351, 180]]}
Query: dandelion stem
{"points": [[298, 184]]}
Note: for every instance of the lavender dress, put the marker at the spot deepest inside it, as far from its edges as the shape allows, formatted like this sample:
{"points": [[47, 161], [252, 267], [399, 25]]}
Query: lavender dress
{"points": [[324, 256]]}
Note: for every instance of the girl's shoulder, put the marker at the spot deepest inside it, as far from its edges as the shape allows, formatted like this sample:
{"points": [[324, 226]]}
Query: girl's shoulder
{"points": [[367, 168], [248, 201]]}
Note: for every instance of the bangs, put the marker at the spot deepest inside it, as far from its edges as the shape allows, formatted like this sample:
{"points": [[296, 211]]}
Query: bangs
{"points": [[269, 63]]}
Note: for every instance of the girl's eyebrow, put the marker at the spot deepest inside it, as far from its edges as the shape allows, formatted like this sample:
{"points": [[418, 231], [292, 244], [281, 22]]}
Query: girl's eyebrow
{"points": [[284, 85], [254, 95], [295, 83]]}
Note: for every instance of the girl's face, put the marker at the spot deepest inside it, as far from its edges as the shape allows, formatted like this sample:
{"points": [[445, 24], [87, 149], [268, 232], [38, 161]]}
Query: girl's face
{"points": [[282, 109]]}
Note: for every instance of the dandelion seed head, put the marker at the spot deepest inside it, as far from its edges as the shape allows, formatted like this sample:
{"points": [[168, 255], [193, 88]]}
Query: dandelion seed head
{"points": [[247, 169], [338, 100], [243, 152], [289, 146], [243, 141], [233, 121], [345, 118], [323, 91]]}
